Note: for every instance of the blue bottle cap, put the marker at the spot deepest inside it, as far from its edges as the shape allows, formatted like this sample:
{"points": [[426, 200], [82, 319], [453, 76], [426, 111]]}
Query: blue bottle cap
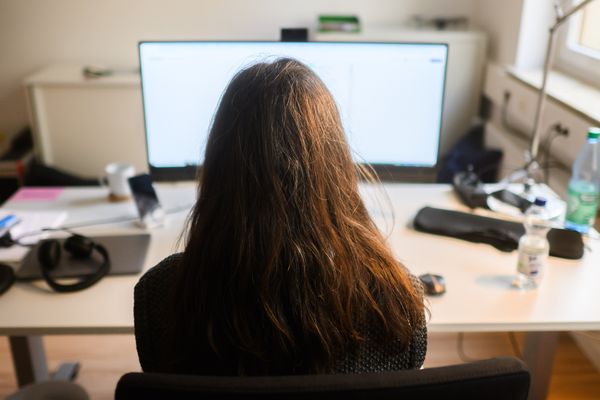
{"points": [[540, 201]]}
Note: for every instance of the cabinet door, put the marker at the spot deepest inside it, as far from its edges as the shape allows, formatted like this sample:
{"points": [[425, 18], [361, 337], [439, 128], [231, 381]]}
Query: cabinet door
{"points": [[81, 128]]}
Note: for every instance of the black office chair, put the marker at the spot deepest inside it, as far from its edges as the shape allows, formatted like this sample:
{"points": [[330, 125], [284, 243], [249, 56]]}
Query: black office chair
{"points": [[494, 379]]}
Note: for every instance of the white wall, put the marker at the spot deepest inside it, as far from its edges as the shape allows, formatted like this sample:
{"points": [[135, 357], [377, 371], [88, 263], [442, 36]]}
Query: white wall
{"points": [[536, 19], [501, 20], [36, 33]]}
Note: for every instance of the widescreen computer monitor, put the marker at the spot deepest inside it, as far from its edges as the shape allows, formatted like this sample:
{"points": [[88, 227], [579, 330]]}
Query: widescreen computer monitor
{"points": [[389, 95]]}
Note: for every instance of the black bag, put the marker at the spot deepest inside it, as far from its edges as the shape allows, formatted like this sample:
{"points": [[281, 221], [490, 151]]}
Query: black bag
{"points": [[503, 235]]}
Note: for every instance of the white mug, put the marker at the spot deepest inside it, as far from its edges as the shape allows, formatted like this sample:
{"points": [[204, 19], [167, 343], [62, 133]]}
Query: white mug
{"points": [[116, 177]]}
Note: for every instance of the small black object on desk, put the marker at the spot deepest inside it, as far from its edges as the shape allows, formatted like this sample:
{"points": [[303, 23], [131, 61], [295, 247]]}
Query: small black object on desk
{"points": [[434, 285]]}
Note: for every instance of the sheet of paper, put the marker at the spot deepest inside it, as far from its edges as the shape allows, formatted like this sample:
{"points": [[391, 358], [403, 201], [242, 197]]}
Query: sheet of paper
{"points": [[30, 222], [37, 194]]}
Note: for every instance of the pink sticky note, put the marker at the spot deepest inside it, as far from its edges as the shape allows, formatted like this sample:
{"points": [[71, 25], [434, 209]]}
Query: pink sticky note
{"points": [[37, 194]]}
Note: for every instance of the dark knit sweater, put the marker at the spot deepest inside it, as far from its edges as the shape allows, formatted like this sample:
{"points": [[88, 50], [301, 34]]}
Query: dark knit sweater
{"points": [[151, 309]]}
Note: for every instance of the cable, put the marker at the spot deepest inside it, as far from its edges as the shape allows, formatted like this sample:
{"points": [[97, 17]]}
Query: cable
{"points": [[548, 143], [114, 220], [545, 146], [506, 124], [557, 130]]}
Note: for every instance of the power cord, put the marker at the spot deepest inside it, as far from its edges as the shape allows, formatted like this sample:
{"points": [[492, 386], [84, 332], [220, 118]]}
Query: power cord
{"points": [[556, 130], [88, 224], [557, 127], [506, 124]]}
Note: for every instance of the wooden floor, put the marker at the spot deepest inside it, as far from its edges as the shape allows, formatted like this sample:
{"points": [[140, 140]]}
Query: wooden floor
{"points": [[105, 358]]}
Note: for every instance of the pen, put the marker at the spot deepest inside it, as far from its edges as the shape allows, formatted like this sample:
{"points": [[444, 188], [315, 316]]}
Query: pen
{"points": [[8, 222]]}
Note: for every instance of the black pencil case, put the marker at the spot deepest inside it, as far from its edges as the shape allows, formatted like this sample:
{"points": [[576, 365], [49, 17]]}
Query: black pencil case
{"points": [[503, 235]]}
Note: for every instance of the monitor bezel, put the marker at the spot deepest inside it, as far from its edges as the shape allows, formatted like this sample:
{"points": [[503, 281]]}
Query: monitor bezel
{"points": [[385, 172]]}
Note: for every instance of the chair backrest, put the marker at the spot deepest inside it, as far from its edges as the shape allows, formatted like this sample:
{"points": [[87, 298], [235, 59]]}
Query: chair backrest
{"points": [[497, 378]]}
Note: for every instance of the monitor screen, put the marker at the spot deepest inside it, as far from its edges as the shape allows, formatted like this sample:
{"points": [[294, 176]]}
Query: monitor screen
{"points": [[389, 95]]}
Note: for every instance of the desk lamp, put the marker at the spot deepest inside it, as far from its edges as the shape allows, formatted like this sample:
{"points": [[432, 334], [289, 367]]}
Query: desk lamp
{"points": [[527, 174]]}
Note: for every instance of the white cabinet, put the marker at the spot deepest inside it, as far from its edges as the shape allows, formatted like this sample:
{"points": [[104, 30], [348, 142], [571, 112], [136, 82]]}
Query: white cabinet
{"points": [[82, 124]]}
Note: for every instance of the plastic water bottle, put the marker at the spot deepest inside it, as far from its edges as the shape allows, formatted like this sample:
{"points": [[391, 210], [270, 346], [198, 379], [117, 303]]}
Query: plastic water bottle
{"points": [[533, 246], [584, 187]]}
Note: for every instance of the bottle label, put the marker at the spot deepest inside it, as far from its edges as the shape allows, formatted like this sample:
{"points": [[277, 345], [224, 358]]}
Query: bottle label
{"points": [[581, 206], [531, 262]]}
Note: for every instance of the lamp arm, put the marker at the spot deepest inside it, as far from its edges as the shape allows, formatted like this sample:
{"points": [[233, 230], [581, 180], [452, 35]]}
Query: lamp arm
{"points": [[535, 139]]}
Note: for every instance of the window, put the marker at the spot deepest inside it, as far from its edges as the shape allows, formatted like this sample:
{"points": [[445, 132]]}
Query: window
{"points": [[585, 33], [578, 50]]}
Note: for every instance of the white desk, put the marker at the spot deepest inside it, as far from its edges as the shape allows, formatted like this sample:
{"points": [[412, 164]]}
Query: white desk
{"points": [[479, 297]]}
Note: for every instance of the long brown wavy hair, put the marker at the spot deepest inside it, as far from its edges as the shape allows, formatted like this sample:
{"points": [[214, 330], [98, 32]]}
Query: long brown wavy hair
{"points": [[282, 259]]}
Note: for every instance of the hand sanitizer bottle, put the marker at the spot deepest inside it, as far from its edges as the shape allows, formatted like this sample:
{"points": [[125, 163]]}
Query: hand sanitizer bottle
{"points": [[533, 246]]}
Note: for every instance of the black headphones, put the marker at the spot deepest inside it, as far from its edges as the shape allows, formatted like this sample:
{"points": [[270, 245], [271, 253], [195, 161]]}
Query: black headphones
{"points": [[78, 246]]}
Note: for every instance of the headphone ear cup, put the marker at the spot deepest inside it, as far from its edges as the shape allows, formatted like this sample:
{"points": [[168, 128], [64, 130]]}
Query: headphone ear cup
{"points": [[79, 246], [49, 253]]}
